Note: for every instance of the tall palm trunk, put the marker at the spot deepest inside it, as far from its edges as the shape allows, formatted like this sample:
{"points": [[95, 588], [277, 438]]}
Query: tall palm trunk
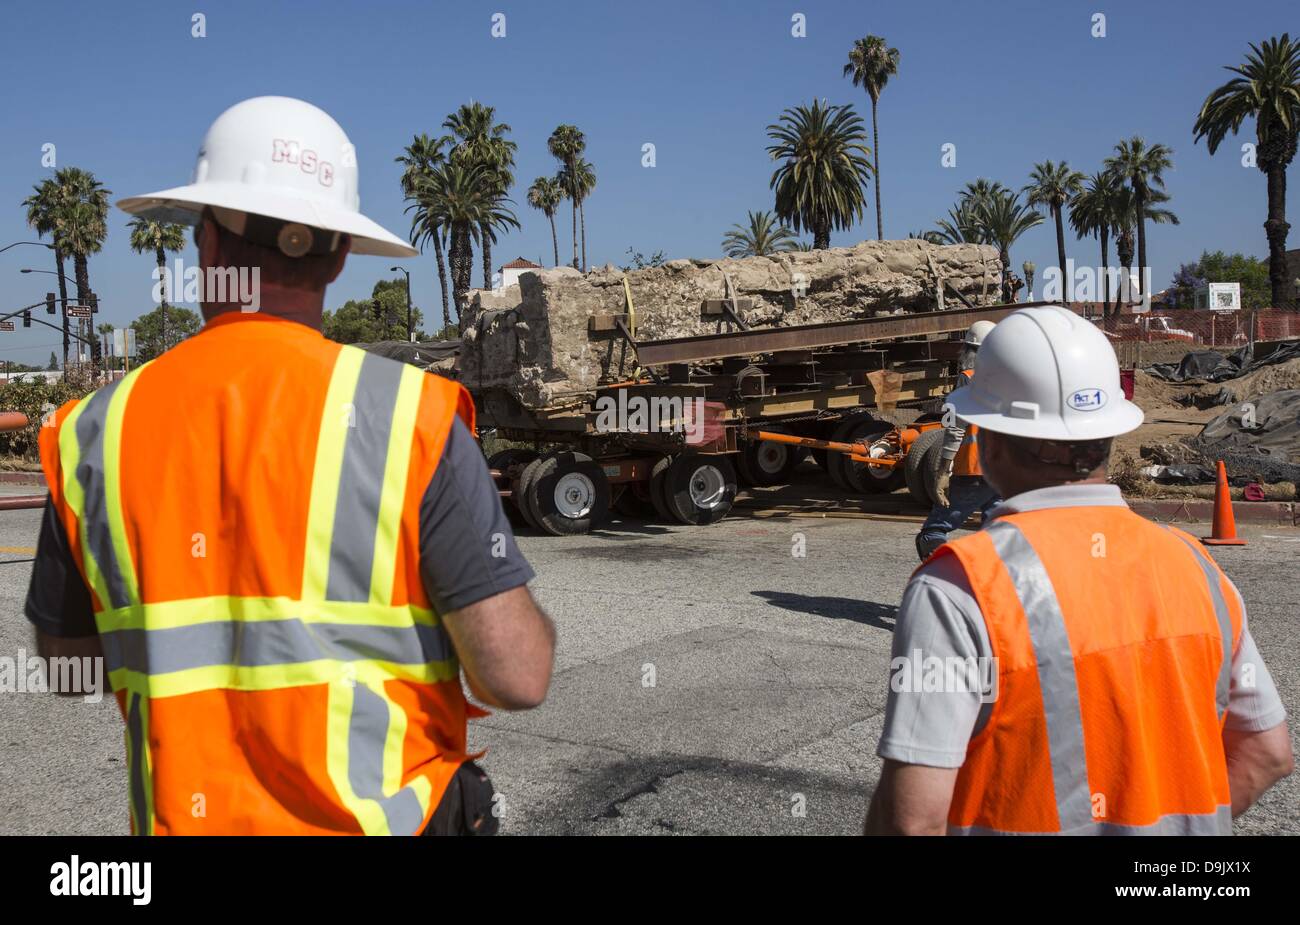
{"points": [[1142, 237], [1124, 245], [821, 235], [63, 303], [162, 277], [442, 278], [1005, 256], [582, 210], [1276, 229], [875, 141], [487, 257], [1105, 273], [555, 242], [462, 265], [1067, 285]]}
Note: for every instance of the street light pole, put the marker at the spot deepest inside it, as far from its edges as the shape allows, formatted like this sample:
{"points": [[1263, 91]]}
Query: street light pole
{"points": [[410, 335], [33, 243]]}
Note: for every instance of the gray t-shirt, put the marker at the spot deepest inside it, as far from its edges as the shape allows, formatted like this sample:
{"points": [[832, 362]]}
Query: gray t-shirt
{"points": [[939, 617]]}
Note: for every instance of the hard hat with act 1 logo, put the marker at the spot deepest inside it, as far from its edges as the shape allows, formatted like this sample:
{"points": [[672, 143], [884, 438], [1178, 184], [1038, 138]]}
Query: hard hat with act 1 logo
{"points": [[1048, 374], [278, 168]]}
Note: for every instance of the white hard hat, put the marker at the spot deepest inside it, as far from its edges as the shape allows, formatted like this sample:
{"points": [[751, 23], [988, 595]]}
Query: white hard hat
{"points": [[1048, 374], [280, 158], [976, 333]]}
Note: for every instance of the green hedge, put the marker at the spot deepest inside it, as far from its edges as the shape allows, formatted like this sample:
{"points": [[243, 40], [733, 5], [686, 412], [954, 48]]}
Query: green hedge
{"points": [[35, 398]]}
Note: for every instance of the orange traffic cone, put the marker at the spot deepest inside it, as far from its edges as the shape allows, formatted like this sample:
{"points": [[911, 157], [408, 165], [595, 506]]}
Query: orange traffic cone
{"points": [[1224, 531]]}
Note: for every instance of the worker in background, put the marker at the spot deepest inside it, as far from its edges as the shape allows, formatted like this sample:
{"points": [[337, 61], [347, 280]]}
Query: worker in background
{"points": [[1117, 689], [960, 488], [286, 549]]}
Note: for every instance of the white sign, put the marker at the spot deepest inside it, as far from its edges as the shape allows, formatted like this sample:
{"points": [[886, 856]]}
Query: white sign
{"points": [[1219, 297]]}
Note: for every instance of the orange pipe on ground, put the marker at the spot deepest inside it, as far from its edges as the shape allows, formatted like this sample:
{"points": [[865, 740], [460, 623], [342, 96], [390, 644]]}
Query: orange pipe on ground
{"points": [[13, 420]]}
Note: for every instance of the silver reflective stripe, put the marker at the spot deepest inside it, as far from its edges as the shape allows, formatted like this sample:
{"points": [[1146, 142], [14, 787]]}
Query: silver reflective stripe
{"points": [[361, 481], [367, 735], [1223, 685], [1218, 822], [1056, 679], [270, 642], [137, 765], [90, 474]]}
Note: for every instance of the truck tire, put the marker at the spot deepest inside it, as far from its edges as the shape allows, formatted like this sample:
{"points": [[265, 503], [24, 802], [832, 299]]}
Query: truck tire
{"points": [[870, 480], [700, 488], [764, 463], [502, 460], [914, 461], [658, 493], [519, 492], [568, 494], [930, 469], [843, 433]]}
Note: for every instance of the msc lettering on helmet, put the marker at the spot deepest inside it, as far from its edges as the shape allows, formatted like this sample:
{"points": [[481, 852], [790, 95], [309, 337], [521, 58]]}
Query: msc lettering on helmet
{"points": [[1087, 399], [289, 151]]}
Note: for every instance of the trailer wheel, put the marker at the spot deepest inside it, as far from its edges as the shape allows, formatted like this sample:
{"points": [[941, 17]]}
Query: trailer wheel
{"points": [[700, 488], [914, 462], [568, 493], [658, 488], [765, 462], [502, 461], [860, 422], [520, 489], [872, 480]]}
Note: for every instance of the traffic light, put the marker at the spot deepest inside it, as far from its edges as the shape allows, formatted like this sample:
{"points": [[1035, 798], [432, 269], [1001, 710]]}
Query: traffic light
{"points": [[27, 317], [94, 304], [49, 303]]}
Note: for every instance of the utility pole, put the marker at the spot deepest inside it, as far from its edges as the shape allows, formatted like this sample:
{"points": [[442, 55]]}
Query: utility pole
{"points": [[410, 335]]}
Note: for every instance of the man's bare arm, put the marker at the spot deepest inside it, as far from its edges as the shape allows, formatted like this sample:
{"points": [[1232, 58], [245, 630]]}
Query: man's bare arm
{"points": [[80, 647], [1256, 761], [506, 645], [911, 799]]}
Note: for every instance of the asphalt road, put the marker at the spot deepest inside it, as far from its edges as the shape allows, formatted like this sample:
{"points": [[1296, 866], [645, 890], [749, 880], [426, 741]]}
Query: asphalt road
{"points": [[707, 682]]}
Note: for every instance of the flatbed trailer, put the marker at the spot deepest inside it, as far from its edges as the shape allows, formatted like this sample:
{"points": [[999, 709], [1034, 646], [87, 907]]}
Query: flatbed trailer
{"points": [[705, 414]]}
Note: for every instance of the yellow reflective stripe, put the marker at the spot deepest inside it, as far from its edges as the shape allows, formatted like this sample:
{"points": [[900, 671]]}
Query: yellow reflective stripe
{"points": [[369, 814], [112, 483], [337, 418], [69, 459], [393, 495], [275, 677], [193, 611]]}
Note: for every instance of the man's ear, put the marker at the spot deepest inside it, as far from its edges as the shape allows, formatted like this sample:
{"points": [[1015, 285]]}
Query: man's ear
{"points": [[208, 239], [340, 257]]}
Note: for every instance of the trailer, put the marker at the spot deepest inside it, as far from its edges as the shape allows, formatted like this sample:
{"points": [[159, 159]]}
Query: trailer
{"points": [[703, 415]]}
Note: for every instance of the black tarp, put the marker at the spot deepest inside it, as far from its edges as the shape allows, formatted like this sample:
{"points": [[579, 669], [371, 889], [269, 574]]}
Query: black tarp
{"points": [[1212, 366], [1257, 440]]}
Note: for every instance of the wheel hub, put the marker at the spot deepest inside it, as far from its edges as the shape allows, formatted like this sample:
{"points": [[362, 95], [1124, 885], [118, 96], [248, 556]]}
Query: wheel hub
{"points": [[707, 487], [574, 495], [771, 456]]}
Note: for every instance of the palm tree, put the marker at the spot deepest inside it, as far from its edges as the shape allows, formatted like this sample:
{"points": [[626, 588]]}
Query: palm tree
{"points": [[871, 63], [1143, 168], [824, 168], [762, 236], [1002, 218], [567, 144], [458, 202], [578, 184], [81, 225], [477, 139], [1129, 215], [148, 235], [1054, 185], [422, 156], [42, 215], [546, 194], [1093, 212], [1268, 88]]}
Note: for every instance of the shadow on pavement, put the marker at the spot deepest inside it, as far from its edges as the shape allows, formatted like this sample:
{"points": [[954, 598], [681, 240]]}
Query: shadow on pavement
{"points": [[871, 613]]}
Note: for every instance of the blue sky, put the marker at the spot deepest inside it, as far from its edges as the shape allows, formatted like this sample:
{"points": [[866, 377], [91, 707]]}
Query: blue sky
{"points": [[123, 90]]}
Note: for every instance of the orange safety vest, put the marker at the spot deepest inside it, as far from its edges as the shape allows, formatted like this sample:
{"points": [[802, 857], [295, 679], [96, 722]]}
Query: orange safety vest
{"points": [[967, 460], [245, 512], [1114, 640]]}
